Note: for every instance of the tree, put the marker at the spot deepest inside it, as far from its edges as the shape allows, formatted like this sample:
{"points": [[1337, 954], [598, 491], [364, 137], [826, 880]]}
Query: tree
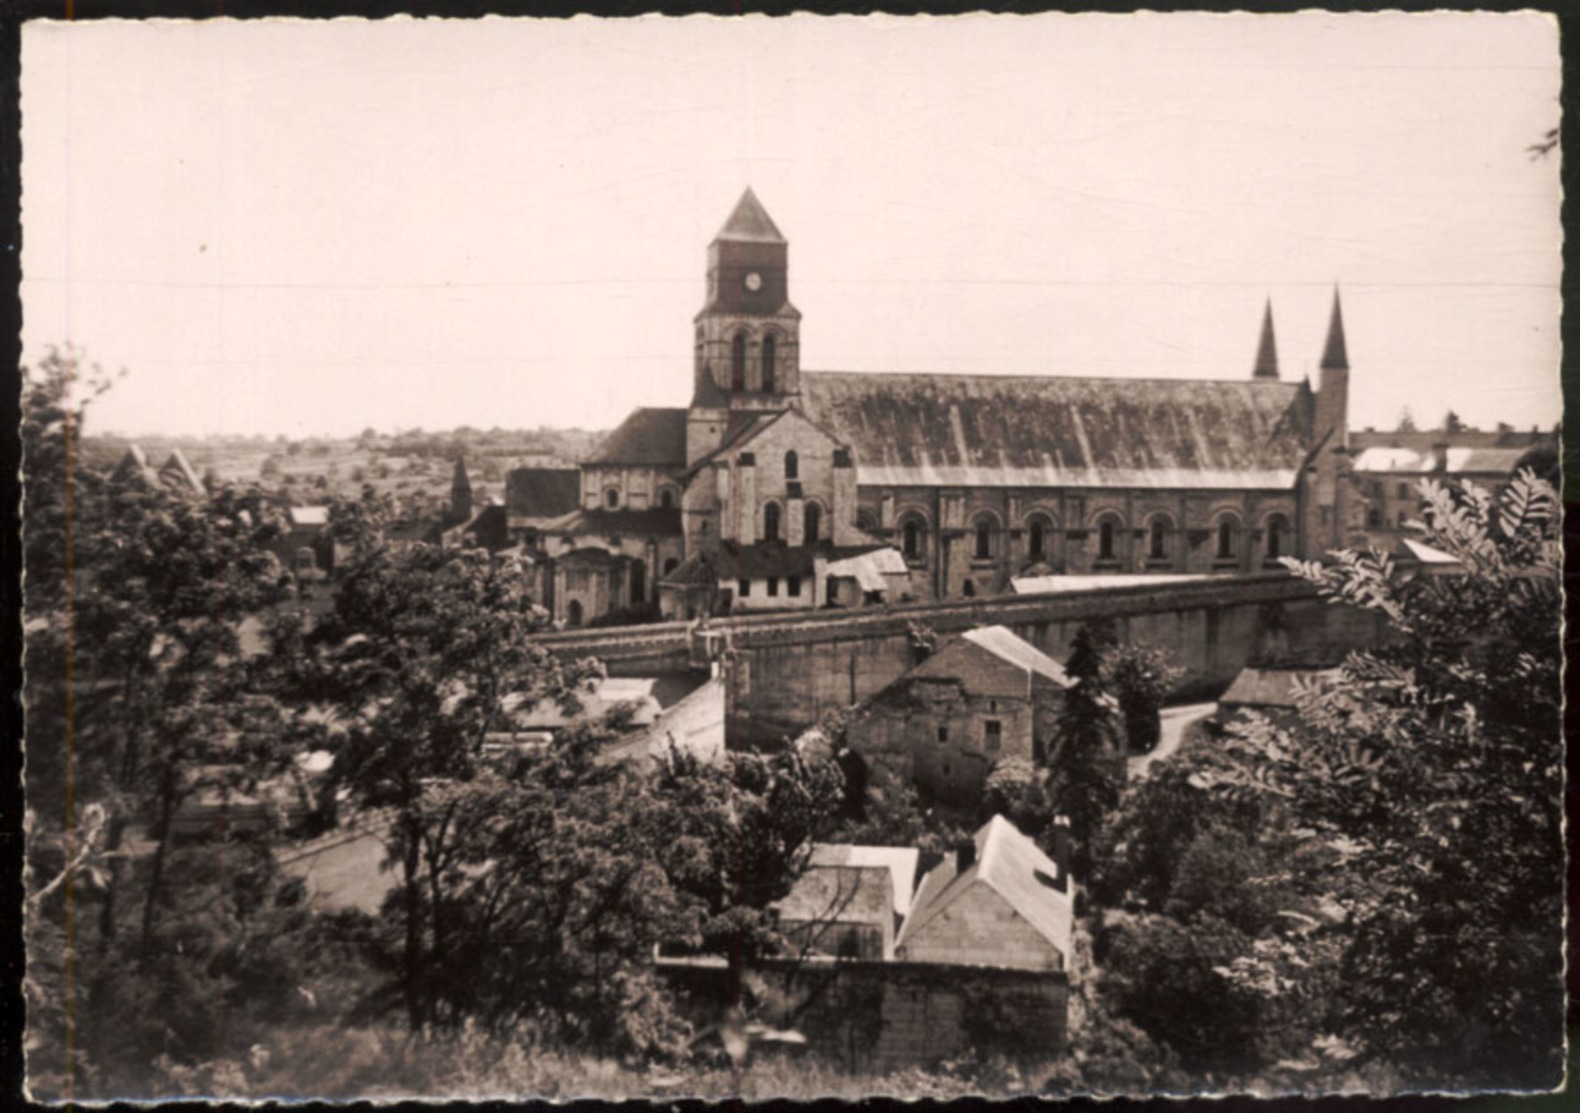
{"points": [[1452, 423], [138, 692], [1086, 765], [1406, 423], [1140, 677], [1411, 820], [417, 660]]}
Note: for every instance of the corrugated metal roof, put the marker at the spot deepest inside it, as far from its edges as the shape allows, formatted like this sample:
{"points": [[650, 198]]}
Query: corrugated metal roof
{"points": [[649, 436], [1011, 864], [928, 429]]}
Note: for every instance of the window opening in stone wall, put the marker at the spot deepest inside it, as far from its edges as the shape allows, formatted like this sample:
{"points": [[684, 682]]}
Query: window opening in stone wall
{"points": [[1036, 541], [611, 498], [984, 542], [768, 363], [666, 498], [792, 466], [773, 587], [771, 522], [912, 540], [1159, 540], [738, 363], [1373, 519], [943, 734], [968, 588], [744, 587], [813, 524], [992, 734], [793, 586], [1105, 541], [573, 613], [670, 564], [1226, 539], [1275, 538]]}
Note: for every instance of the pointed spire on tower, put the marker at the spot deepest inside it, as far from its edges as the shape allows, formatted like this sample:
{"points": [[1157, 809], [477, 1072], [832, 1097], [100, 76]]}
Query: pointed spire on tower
{"points": [[1267, 351], [1334, 354], [750, 221]]}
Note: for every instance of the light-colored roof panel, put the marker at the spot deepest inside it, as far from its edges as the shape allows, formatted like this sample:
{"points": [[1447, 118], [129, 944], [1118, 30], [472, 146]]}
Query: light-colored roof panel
{"points": [[899, 860], [1011, 865], [1065, 583], [1004, 644]]}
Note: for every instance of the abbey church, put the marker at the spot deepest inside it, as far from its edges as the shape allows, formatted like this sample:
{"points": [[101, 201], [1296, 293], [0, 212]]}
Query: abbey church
{"points": [[784, 488]]}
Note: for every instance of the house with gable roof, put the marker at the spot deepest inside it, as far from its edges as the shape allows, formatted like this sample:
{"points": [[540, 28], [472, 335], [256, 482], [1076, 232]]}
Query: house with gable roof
{"points": [[984, 697], [1000, 901], [850, 901]]}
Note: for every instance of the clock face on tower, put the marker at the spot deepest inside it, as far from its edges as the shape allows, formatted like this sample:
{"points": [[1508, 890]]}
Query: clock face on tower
{"points": [[754, 281]]}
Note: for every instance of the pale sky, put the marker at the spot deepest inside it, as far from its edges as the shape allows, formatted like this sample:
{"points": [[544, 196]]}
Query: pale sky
{"points": [[319, 226]]}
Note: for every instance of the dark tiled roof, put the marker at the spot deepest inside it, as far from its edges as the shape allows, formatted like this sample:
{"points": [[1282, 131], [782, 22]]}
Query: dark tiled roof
{"points": [[533, 493], [750, 221], [617, 521], [649, 436], [592, 556], [1064, 431], [762, 560]]}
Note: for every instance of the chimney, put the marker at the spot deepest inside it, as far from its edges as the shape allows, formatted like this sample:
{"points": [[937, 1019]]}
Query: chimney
{"points": [[965, 856], [1061, 852], [1439, 457]]}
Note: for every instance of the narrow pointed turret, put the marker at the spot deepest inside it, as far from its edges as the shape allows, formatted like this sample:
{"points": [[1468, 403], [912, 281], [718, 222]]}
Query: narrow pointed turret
{"points": [[1267, 351], [1334, 354]]}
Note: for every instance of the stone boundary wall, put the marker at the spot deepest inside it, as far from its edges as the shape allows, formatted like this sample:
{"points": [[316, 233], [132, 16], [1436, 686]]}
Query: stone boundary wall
{"points": [[869, 1016], [790, 668]]}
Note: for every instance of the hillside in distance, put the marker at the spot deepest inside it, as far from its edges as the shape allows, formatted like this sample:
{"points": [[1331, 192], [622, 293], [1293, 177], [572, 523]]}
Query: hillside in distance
{"points": [[413, 463]]}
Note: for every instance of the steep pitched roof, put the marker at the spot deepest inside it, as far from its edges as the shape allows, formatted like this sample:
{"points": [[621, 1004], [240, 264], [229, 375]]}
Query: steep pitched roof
{"points": [[533, 493], [1011, 865], [900, 861], [750, 221], [1266, 367], [649, 436], [1268, 687], [1004, 644], [616, 521], [1334, 354], [841, 894], [1063, 431]]}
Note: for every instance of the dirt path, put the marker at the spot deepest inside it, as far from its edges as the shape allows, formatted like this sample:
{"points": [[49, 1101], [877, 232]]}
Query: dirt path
{"points": [[1175, 721]]}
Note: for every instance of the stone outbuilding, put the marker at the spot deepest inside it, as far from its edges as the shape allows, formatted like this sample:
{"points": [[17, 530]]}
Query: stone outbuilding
{"points": [[1000, 901], [984, 697], [850, 901]]}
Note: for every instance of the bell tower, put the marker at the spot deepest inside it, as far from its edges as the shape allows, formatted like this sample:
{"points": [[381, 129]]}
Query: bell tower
{"points": [[748, 336]]}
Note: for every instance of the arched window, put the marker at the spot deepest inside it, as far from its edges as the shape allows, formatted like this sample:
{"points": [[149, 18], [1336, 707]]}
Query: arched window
{"points": [[1227, 541], [738, 363], [983, 530], [912, 541], [812, 520], [611, 497], [666, 497], [768, 363], [771, 521], [1105, 541], [1037, 538], [865, 520], [573, 613], [1275, 538], [792, 466], [1158, 539], [968, 588]]}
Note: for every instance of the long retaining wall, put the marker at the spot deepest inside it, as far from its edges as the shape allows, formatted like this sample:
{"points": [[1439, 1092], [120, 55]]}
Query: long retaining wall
{"points": [[789, 668]]}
